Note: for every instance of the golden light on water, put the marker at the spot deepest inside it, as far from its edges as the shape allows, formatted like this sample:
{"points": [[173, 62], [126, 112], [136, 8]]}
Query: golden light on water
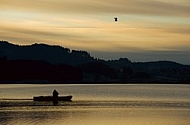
{"points": [[102, 104]]}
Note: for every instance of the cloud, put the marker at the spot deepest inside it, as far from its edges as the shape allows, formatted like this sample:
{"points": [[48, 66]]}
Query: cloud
{"points": [[144, 25], [141, 7], [28, 34]]}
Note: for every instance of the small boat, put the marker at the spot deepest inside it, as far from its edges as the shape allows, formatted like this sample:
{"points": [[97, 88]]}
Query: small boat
{"points": [[51, 98]]}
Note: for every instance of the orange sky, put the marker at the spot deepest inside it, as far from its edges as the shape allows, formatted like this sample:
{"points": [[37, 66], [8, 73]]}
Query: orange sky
{"points": [[147, 29]]}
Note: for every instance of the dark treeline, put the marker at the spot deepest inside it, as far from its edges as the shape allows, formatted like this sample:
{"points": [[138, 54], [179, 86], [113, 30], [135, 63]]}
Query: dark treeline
{"points": [[58, 64], [125, 71], [29, 70], [51, 54]]}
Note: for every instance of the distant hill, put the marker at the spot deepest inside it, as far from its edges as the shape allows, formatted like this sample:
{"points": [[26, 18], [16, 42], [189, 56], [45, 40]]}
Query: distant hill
{"points": [[56, 63], [51, 54]]}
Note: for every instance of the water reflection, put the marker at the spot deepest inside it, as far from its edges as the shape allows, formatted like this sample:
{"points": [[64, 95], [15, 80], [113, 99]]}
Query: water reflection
{"points": [[42, 116], [100, 92], [97, 105], [96, 116], [31, 105]]}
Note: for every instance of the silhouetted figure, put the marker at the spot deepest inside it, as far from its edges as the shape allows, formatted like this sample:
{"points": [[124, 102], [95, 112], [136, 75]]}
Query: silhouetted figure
{"points": [[115, 19], [55, 97], [55, 93]]}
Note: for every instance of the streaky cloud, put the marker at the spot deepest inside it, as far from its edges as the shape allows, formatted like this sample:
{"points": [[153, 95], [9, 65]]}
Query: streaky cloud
{"points": [[144, 7]]}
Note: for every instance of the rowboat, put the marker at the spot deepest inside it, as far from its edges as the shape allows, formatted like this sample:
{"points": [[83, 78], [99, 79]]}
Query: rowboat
{"points": [[51, 98]]}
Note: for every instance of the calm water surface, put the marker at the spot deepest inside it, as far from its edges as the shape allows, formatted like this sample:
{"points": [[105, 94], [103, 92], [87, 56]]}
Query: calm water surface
{"points": [[96, 105]]}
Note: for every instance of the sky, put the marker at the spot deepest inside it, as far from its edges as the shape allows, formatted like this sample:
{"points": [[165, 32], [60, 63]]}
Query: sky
{"points": [[146, 30]]}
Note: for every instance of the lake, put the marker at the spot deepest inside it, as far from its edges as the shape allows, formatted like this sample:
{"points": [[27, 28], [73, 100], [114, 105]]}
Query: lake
{"points": [[99, 104]]}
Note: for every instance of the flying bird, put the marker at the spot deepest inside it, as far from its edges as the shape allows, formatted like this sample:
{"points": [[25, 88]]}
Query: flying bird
{"points": [[115, 18]]}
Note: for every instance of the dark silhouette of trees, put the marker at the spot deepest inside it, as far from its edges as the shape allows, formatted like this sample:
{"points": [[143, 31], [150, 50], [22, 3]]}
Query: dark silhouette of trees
{"points": [[56, 63], [51, 54], [16, 70], [98, 69], [126, 73]]}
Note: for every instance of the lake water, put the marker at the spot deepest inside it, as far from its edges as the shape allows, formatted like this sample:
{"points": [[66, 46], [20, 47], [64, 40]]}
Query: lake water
{"points": [[107, 104]]}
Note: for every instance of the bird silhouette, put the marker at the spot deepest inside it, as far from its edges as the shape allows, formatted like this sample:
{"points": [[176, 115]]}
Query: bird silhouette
{"points": [[115, 18]]}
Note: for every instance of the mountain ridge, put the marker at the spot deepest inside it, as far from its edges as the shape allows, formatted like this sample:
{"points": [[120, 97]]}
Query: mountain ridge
{"points": [[92, 69], [51, 53], [43, 48]]}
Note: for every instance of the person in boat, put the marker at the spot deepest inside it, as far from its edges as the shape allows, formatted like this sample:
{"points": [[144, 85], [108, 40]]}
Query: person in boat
{"points": [[55, 93], [55, 97]]}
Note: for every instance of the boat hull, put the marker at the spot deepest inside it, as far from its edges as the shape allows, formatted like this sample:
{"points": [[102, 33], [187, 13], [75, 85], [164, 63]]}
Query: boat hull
{"points": [[51, 98]]}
